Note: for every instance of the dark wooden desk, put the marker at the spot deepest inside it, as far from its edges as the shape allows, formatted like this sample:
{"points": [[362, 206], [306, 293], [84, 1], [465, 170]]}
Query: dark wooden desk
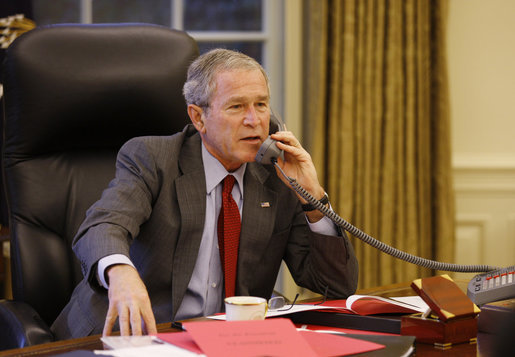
{"points": [[94, 343]]}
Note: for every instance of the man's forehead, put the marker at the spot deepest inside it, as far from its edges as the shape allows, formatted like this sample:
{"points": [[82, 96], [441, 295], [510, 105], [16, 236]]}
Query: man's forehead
{"points": [[243, 98], [231, 80], [230, 75]]}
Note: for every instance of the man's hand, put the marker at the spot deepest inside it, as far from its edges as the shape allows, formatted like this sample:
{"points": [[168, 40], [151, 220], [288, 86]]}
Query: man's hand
{"points": [[128, 302], [299, 165]]}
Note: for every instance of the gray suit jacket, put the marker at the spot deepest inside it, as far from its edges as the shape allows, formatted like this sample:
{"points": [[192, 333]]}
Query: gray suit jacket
{"points": [[154, 212]]}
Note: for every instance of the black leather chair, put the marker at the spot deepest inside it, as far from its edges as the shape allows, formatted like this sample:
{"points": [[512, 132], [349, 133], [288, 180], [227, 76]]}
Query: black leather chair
{"points": [[73, 95]]}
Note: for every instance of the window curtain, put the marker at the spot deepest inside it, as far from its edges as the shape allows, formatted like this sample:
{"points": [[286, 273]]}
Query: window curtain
{"points": [[376, 121]]}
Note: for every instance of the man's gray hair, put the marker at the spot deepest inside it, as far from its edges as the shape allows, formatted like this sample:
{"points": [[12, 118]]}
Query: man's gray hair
{"points": [[200, 84]]}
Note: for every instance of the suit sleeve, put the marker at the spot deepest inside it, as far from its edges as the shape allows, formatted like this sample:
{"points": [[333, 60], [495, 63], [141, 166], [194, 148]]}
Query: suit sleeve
{"points": [[113, 221], [321, 262]]}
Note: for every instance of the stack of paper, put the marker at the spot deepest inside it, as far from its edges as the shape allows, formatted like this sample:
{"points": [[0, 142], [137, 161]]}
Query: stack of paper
{"points": [[273, 337]]}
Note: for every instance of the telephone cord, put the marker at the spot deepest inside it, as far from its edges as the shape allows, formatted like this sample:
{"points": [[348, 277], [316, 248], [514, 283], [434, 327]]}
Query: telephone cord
{"points": [[426, 263]]}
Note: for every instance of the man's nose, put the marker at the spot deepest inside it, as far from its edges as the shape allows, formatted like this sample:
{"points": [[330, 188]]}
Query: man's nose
{"points": [[251, 117]]}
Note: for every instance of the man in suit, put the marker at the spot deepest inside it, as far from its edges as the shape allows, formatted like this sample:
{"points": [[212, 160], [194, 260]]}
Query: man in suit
{"points": [[149, 247]]}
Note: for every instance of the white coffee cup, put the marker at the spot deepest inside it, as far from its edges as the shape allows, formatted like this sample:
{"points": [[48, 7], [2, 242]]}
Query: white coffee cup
{"points": [[245, 308]]}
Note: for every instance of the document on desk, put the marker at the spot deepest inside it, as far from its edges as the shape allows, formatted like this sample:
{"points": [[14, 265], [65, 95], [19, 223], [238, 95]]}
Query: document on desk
{"points": [[288, 309], [277, 337], [371, 305], [273, 337], [355, 304], [155, 350]]}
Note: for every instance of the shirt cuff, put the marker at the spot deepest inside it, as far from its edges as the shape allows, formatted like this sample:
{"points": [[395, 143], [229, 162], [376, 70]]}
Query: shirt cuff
{"points": [[106, 262], [324, 226]]}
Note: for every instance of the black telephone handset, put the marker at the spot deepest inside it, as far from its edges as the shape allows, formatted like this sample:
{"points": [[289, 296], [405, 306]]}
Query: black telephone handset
{"points": [[269, 152]]}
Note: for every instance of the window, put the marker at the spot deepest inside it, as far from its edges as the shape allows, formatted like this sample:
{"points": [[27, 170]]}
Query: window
{"points": [[249, 26]]}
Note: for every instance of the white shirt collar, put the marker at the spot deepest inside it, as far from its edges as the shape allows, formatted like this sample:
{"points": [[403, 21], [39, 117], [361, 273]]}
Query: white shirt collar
{"points": [[216, 172]]}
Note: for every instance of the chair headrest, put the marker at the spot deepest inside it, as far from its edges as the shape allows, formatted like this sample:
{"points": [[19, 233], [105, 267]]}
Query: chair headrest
{"points": [[73, 86]]}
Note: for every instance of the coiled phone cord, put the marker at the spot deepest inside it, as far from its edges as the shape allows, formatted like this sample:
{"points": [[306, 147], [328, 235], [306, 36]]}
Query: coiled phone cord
{"points": [[426, 263]]}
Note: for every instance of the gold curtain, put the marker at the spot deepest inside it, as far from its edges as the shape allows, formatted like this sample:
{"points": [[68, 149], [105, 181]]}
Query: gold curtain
{"points": [[377, 125]]}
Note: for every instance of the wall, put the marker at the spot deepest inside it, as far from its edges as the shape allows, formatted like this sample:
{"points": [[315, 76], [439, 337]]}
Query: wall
{"points": [[481, 55]]}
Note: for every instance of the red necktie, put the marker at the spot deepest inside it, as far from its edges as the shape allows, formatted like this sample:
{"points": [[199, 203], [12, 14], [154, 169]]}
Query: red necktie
{"points": [[229, 227]]}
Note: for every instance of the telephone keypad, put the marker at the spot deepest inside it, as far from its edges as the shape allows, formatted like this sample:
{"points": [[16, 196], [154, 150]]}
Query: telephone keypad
{"points": [[492, 286]]}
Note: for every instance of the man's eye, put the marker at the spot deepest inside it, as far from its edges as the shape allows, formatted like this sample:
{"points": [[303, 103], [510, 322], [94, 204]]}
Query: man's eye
{"points": [[236, 106], [262, 106]]}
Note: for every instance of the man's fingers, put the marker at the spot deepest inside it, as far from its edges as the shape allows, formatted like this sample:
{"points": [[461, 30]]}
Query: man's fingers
{"points": [[288, 147], [129, 302], [110, 320], [131, 321], [149, 321], [124, 320], [135, 320]]}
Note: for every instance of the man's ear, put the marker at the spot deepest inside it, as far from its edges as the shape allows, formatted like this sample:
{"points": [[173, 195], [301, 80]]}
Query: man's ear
{"points": [[195, 113]]}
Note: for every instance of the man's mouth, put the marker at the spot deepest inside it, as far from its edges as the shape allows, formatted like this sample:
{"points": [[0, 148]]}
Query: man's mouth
{"points": [[252, 139]]}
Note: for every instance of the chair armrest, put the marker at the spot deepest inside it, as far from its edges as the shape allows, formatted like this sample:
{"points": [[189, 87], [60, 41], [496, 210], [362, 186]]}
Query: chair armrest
{"points": [[21, 326]]}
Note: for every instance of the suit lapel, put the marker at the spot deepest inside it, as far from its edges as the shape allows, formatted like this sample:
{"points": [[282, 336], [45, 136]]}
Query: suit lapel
{"points": [[191, 197], [259, 212]]}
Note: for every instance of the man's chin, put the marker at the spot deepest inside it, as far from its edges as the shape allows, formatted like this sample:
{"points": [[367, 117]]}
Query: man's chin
{"points": [[251, 157], [249, 152]]}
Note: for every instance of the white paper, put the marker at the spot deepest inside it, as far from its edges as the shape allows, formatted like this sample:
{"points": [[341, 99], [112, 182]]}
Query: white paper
{"points": [[282, 311], [411, 302], [128, 346], [161, 350]]}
